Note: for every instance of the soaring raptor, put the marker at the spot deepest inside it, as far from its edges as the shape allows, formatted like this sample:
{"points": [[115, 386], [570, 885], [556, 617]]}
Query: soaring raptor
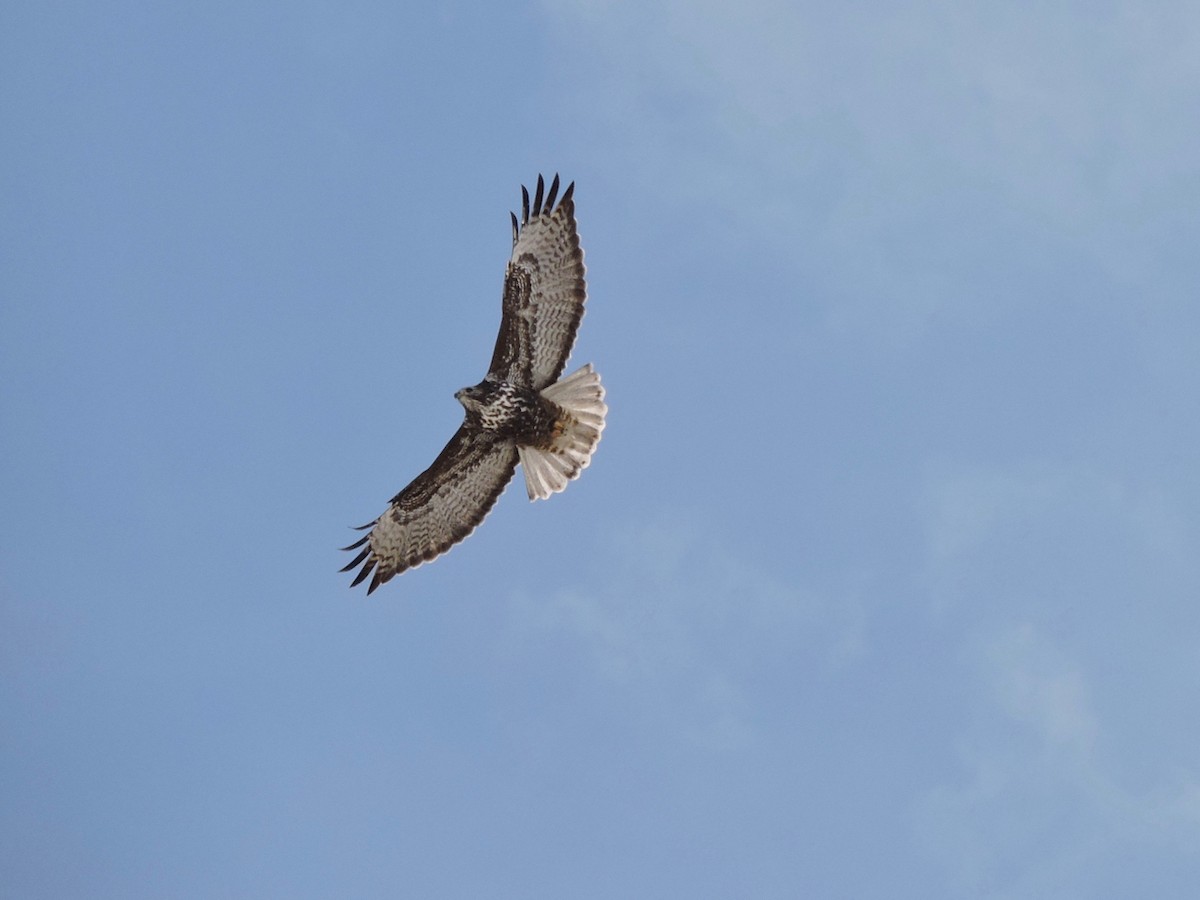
{"points": [[520, 411]]}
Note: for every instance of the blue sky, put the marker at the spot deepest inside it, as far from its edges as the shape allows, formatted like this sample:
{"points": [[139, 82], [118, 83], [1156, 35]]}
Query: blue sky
{"points": [[883, 582]]}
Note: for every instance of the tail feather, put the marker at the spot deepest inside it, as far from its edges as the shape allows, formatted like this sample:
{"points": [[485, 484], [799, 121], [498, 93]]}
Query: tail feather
{"points": [[548, 469]]}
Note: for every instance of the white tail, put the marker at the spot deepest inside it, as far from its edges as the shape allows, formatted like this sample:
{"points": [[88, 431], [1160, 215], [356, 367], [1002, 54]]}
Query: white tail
{"points": [[548, 469]]}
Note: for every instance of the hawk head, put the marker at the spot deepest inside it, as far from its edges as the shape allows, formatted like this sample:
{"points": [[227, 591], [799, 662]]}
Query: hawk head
{"points": [[476, 399], [493, 405]]}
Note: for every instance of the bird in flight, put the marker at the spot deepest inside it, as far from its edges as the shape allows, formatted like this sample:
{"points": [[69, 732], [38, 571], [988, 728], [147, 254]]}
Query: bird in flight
{"points": [[520, 412]]}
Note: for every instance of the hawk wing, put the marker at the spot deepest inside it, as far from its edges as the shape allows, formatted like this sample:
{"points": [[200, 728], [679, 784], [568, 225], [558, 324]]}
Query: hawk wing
{"points": [[544, 291], [440, 508]]}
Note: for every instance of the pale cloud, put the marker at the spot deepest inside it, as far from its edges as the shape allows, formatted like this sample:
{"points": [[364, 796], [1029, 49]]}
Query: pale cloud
{"points": [[1038, 807], [1018, 95], [684, 626], [967, 507], [1029, 524], [1035, 685], [877, 149], [1068, 587]]}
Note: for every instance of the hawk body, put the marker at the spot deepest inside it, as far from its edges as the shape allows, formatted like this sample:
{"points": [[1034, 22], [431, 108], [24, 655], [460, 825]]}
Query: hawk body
{"points": [[509, 411], [520, 412]]}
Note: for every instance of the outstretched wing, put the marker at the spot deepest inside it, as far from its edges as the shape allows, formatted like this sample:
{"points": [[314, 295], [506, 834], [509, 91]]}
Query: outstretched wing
{"points": [[544, 291], [440, 508]]}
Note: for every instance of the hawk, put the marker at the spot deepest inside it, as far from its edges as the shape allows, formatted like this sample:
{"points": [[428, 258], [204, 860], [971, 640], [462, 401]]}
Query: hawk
{"points": [[521, 411]]}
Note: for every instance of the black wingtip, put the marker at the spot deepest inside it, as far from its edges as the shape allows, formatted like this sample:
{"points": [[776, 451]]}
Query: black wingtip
{"points": [[362, 540], [537, 198], [358, 559], [541, 204], [366, 570]]}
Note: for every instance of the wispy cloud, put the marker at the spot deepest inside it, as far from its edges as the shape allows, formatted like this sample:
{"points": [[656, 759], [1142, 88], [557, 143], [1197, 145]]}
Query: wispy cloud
{"points": [[686, 626], [1032, 528], [1037, 687], [907, 160], [1039, 808], [1068, 590], [1018, 95]]}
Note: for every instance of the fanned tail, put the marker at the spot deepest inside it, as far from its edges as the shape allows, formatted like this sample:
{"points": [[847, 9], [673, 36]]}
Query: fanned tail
{"points": [[548, 469]]}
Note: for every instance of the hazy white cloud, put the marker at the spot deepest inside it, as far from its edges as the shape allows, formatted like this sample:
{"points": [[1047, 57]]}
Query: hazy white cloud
{"points": [[1038, 807], [877, 149], [1056, 579], [1033, 527], [1036, 686], [685, 625], [1022, 95], [967, 507]]}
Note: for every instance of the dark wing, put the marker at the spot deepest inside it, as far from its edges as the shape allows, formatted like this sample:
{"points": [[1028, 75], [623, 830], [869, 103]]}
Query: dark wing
{"points": [[544, 291], [440, 508]]}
